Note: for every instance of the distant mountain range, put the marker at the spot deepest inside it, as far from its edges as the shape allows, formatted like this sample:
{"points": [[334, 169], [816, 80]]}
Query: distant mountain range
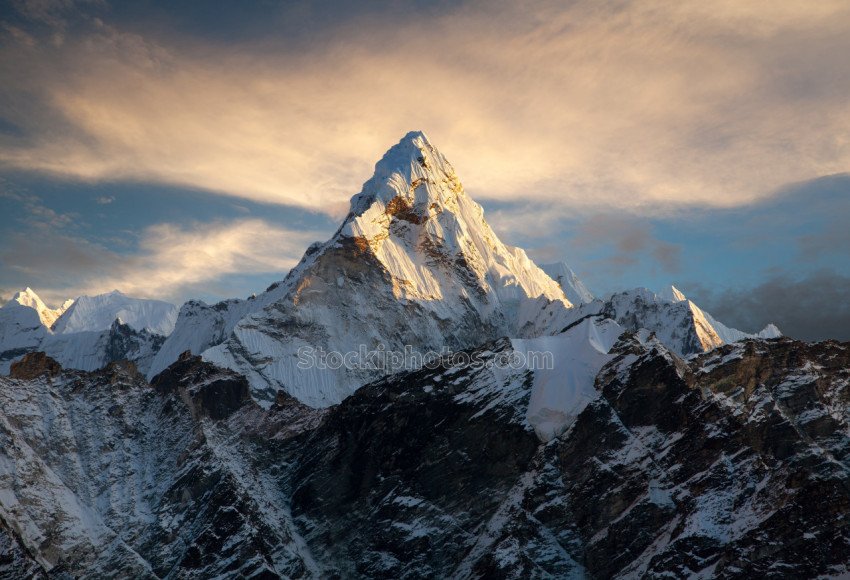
{"points": [[144, 441]]}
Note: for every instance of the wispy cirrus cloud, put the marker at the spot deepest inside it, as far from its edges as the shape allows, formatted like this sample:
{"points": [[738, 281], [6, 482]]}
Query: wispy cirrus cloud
{"points": [[640, 105], [35, 214]]}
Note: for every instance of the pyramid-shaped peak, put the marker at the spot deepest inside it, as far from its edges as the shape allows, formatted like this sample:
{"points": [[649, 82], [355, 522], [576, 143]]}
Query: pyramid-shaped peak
{"points": [[414, 171], [27, 298]]}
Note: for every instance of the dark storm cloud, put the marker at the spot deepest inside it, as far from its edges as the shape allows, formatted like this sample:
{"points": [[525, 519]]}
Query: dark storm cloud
{"points": [[815, 307]]}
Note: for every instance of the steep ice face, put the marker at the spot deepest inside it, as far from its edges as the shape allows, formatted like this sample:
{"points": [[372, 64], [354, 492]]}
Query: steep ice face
{"points": [[199, 326], [414, 263], [575, 290], [96, 313], [561, 390]]}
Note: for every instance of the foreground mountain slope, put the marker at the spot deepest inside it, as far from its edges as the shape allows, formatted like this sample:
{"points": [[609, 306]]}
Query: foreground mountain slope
{"points": [[104, 475], [414, 263], [733, 464]]}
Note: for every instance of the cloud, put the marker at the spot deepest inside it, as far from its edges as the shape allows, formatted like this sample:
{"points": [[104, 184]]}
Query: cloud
{"points": [[625, 241], [815, 307], [105, 199], [835, 239], [170, 261], [36, 214], [640, 105]]}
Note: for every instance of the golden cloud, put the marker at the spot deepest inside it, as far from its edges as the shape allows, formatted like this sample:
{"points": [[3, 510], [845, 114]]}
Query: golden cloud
{"points": [[631, 105]]}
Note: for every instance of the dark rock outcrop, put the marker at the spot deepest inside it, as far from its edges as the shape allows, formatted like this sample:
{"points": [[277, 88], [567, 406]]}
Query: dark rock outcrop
{"points": [[34, 365], [209, 390]]}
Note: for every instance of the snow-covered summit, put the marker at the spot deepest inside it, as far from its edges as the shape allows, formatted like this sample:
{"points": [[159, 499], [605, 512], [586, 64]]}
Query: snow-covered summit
{"points": [[413, 212], [414, 263], [678, 322], [573, 287], [97, 313], [404, 172], [29, 299], [672, 294]]}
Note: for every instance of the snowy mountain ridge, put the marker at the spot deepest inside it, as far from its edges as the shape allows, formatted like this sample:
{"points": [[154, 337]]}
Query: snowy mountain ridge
{"points": [[96, 313], [678, 322], [86, 333], [573, 287]]}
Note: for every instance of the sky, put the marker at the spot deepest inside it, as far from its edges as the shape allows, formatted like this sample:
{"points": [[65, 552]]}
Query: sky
{"points": [[195, 149]]}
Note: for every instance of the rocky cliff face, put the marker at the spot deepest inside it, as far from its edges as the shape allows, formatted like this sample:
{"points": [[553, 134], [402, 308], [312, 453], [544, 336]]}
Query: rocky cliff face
{"points": [[732, 464], [104, 475], [675, 469]]}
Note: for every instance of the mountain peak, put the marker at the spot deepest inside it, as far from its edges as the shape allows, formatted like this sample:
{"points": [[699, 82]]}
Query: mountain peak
{"points": [[573, 287], [29, 299], [412, 178], [672, 294], [414, 263], [414, 217]]}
